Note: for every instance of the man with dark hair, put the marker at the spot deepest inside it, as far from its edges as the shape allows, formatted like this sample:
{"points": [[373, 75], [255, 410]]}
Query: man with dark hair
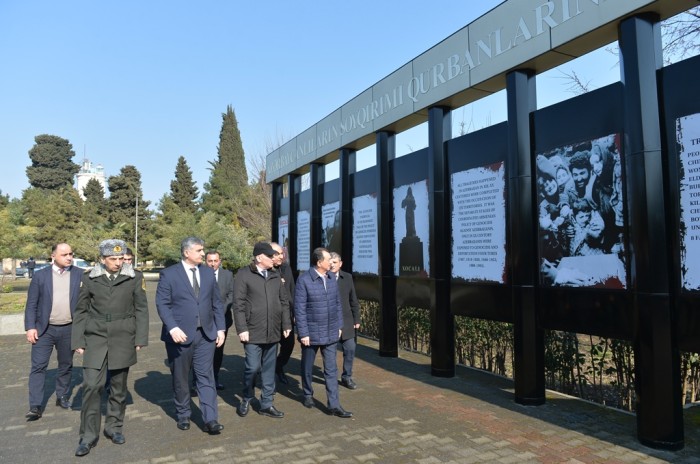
{"points": [[351, 318], [286, 343], [189, 304], [319, 318], [224, 279], [129, 257], [48, 315], [261, 314], [580, 167], [111, 325]]}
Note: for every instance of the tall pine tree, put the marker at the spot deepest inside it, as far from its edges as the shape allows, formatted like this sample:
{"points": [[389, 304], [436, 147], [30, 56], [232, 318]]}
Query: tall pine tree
{"points": [[183, 190], [51, 167], [124, 189], [229, 178]]}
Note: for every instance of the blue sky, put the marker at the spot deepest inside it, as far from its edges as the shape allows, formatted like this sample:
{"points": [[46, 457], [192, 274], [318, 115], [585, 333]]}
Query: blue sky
{"points": [[144, 82]]}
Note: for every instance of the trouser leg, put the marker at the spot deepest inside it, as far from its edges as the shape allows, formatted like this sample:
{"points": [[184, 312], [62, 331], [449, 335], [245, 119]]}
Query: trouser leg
{"points": [[308, 355], [348, 347], [286, 349], [253, 361], [90, 414], [41, 354], [116, 404], [64, 354], [330, 373], [267, 375]]}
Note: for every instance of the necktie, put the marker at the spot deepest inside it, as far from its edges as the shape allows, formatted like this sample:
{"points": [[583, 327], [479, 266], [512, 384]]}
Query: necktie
{"points": [[61, 271], [112, 277], [265, 274], [195, 284]]}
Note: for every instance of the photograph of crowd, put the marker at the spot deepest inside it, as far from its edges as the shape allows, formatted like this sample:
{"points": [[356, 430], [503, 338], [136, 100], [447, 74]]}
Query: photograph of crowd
{"points": [[581, 209]]}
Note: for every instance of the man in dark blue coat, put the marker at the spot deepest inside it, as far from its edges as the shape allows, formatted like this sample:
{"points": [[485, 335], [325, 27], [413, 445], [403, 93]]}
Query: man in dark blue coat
{"points": [[48, 316], [190, 306], [319, 319]]}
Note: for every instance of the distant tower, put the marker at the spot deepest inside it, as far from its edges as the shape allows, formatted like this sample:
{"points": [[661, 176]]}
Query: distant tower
{"points": [[87, 172]]}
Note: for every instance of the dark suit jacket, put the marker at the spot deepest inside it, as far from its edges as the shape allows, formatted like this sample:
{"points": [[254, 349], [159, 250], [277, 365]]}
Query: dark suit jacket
{"points": [[225, 281], [351, 307], [178, 307], [40, 298]]}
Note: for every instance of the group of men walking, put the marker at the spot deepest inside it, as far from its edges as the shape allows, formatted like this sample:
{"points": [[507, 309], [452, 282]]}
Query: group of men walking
{"points": [[102, 315]]}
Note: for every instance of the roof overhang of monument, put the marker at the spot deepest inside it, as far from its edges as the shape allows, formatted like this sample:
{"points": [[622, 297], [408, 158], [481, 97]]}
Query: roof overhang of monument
{"points": [[468, 65]]}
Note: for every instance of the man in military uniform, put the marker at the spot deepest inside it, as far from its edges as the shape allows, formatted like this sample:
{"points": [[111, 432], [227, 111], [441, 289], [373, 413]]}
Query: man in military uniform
{"points": [[110, 325]]}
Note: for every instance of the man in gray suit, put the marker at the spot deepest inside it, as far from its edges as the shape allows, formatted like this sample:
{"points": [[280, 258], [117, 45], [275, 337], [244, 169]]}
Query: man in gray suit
{"points": [[224, 279], [351, 318], [189, 304]]}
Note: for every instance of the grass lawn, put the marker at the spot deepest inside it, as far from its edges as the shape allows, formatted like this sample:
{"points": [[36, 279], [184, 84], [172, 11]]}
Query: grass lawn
{"points": [[13, 302]]}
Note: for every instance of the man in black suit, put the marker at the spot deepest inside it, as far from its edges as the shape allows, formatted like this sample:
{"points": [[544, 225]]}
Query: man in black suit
{"points": [[351, 318], [286, 343], [48, 316], [189, 304], [224, 278]]}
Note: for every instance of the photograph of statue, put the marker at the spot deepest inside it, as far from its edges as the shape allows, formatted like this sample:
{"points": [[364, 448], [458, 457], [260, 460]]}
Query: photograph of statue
{"points": [[411, 230]]}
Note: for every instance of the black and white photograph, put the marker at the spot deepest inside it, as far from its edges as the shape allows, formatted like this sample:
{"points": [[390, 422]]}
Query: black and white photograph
{"points": [[581, 207]]}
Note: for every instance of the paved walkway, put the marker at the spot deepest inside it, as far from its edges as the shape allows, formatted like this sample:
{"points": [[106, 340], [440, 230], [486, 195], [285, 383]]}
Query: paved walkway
{"points": [[402, 415]]}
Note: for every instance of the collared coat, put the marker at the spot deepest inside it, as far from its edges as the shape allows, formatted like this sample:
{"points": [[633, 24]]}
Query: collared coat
{"points": [[260, 306], [351, 306], [317, 307], [40, 298], [111, 318]]}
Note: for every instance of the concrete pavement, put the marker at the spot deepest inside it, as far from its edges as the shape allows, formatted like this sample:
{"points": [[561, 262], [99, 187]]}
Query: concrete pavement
{"points": [[402, 415]]}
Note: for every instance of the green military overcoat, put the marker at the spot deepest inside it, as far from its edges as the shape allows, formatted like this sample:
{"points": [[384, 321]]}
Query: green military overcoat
{"points": [[111, 318]]}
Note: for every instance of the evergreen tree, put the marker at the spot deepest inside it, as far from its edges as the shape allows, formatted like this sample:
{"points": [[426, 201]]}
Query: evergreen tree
{"points": [[95, 205], [183, 190], [229, 178], [51, 167], [124, 190], [94, 193]]}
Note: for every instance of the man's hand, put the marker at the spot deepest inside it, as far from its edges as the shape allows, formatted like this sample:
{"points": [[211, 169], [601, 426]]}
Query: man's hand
{"points": [[357, 326], [220, 338], [306, 341], [32, 336], [286, 333], [244, 336], [178, 335], [138, 347], [80, 350]]}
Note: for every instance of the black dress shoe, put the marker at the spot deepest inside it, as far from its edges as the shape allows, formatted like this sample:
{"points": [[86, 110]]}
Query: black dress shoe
{"points": [[213, 428], [348, 383], [281, 378], [63, 402], [309, 402], [116, 437], [220, 386], [340, 412], [243, 408], [271, 412], [34, 413], [183, 424], [84, 448]]}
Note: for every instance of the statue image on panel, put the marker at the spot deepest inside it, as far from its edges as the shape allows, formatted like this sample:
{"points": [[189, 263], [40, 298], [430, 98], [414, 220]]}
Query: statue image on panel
{"points": [[688, 139], [411, 230], [581, 208], [365, 236], [303, 240], [330, 226], [283, 234], [479, 224]]}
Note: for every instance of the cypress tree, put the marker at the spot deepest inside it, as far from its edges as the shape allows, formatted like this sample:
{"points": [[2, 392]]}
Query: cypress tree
{"points": [[51, 167], [183, 190], [229, 178]]}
